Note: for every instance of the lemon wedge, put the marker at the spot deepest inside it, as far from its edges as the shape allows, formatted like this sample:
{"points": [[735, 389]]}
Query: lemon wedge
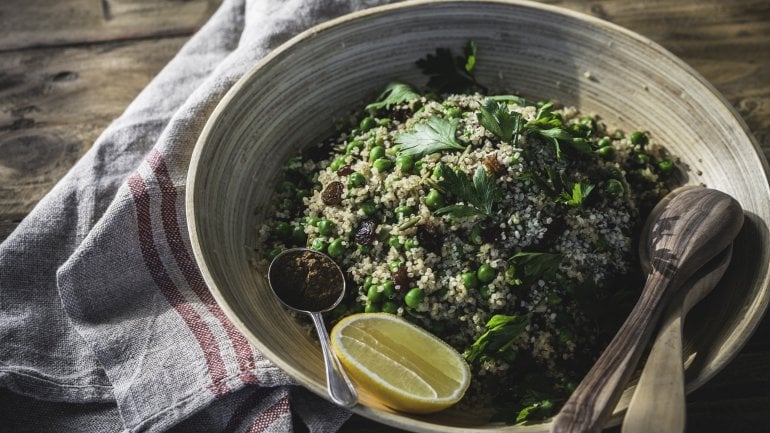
{"points": [[404, 366]]}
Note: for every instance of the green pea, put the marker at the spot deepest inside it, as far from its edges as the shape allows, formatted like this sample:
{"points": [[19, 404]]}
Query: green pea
{"points": [[312, 221], [469, 280], [604, 142], [389, 307], [614, 187], [298, 235], [453, 112], [282, 230], [394, 265], [418, 165], [606, 152], [434, 200], [411, 244], [404, 211], [638, 138], [393, 150], [642, 158], [485, 292], [368, 281], [368, 208], [437, 171], [318, 244], [486, 273], [382, 164], [371, 308], [414, 297], [367, 123], [376, 153], [356, 179], [394, 242], [336, 249], [355, 144], [325, 227], [666, 166], [373, 295], [405, 163], [337, 163], [388, 289]]}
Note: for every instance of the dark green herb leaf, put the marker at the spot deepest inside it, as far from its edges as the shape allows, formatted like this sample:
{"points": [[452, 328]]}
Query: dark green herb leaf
{"points": [[459, 210], [518, 100], [394, 94], [479, 193], [557, 133], [498, 342], [579, 193], [447, 74], [537, 410], [499, 120], [537, 265], [434, 136]]}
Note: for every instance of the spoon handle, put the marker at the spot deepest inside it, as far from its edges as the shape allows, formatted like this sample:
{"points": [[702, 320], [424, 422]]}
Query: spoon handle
{"points": [[340, 388], [658, 404], [593, 400]]}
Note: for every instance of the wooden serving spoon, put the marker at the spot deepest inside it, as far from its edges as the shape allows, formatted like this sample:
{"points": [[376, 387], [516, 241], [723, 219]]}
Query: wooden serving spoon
{"points": [[658, 403], [693, 228]]}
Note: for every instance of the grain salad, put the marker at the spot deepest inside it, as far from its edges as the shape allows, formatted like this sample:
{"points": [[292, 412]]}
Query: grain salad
{"points": [[504, 226]]}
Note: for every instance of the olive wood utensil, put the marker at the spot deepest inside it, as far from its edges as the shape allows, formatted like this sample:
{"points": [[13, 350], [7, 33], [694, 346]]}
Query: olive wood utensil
{"points": [[693, 228], [658, 404]]}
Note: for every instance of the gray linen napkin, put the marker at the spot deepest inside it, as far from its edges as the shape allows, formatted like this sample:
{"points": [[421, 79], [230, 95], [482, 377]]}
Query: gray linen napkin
{"points": [[105, 321]]}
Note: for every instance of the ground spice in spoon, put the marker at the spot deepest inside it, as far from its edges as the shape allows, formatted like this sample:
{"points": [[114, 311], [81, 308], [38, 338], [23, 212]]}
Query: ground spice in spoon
{"points": [[306, 280]]}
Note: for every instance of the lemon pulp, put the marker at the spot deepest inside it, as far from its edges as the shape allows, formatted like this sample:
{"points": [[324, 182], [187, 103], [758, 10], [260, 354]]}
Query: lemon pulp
{"points": [[406, 367]]}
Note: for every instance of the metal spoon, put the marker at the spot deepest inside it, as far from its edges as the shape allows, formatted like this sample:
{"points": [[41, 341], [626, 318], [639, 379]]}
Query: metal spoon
{"points": [[311, 282], [693, 228]]}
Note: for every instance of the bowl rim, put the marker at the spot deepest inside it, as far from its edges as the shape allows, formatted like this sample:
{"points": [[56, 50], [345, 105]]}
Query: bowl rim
{"points": [[393, 419]]}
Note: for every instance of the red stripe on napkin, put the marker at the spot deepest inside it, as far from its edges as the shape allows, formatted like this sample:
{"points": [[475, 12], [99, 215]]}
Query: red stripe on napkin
{"points": [[168, 211], [193, 320], [266, 418]]}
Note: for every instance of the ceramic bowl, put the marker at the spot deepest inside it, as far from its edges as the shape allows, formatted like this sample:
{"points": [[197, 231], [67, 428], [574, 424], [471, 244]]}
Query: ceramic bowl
{"points": [[293, 97]]}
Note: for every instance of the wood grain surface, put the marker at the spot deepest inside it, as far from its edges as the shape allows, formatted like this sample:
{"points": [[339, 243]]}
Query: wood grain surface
{"points": [[67, 67]]}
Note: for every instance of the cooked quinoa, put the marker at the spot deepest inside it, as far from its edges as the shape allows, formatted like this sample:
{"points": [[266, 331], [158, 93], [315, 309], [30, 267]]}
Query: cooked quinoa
{"points": [[526, 271]]}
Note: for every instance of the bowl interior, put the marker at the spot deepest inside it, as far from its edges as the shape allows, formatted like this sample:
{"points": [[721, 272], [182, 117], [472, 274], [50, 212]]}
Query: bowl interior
{"points": [[294, 97]]}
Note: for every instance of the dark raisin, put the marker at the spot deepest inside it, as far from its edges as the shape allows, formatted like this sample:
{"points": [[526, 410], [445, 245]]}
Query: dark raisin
{"points": [[492, 164], [332, 194], [490, 234], [401, 279], [429, 237], [365, 232], [345, 170]]}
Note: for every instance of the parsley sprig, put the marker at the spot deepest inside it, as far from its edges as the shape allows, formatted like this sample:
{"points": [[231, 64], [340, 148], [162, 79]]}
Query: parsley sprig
{"points": [[499, 340], [394, 94], [498, 119], [478, 194], [449, 74], [435, 135]]}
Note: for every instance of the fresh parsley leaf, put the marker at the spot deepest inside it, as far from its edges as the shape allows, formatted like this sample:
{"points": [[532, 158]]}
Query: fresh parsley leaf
{"points": [[498, 342], [434, 136], [537, 410], [448, 74], [537, 265], [478, 194], [394, 94], [518, 100], [470, 57], [499, 120], [580, 192]]}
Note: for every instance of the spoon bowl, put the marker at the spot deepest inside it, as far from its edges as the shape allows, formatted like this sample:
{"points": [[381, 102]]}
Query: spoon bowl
{"points": [[311, 282]]}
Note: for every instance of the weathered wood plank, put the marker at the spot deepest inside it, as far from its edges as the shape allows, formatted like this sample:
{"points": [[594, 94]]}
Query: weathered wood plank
{"points": [[55, 102], [45, 23]]}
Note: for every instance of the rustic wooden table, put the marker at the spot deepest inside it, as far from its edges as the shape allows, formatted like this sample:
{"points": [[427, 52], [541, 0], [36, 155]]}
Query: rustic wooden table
{"points": [[68, 67]]}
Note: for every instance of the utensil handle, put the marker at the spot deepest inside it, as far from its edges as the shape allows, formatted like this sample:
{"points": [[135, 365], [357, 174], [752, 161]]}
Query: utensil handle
{"points": [[340, 388], [658, 402], [593, 400]]}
